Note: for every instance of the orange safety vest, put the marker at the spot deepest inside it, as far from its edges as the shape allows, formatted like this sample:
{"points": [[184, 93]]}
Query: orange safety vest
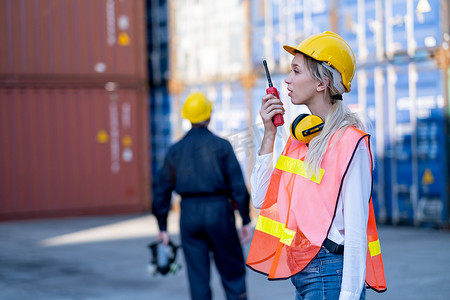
{"points": [[298, 211]]}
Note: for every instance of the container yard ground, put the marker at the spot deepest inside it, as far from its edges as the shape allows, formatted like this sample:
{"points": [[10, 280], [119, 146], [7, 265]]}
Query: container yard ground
{"points": [[106, 258]]}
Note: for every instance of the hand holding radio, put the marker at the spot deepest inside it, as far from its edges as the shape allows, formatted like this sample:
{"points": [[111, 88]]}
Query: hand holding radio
{"points": [[278, 118]]}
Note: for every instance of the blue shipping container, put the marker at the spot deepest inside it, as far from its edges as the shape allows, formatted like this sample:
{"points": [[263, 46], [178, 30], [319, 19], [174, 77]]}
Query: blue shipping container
{"points": [[160, 126], [284, 22], [405, 106]]}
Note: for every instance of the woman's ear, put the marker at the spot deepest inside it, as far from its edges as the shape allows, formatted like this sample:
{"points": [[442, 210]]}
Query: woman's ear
{"points": [[322, 86]]}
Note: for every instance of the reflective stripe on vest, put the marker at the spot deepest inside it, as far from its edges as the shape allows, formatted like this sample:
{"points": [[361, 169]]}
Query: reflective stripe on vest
{"points": [[374, 248], [298, 211], [275, 229], [296, 166]]}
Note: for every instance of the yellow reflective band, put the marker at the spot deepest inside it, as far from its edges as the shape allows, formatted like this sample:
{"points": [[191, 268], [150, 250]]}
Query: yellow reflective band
{"points": [[296, 166], [374, 248], [276, 229]]}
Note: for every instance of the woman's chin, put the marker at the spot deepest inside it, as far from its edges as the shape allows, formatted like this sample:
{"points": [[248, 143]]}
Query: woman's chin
{"points": [[296, 102]]}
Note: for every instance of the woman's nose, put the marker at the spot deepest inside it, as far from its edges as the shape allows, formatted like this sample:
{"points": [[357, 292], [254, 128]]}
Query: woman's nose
{"points": [[288, 79]]}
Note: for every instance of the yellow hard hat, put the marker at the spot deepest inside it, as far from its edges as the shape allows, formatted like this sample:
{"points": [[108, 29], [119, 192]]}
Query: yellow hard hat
{"points": [[332, 49], [197, 108], [306, 127]]}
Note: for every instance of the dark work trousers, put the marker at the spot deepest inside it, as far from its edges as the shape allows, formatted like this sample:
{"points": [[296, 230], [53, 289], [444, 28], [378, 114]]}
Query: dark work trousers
{"points": [[207, 226]]}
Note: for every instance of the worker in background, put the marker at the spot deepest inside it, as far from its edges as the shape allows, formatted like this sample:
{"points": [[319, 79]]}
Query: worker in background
{"points": [[316, 224], [202, 168]]}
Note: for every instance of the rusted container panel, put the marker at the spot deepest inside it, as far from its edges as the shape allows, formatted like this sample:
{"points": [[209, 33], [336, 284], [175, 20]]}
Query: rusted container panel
{"points": [[92, 39], [73, 152]]}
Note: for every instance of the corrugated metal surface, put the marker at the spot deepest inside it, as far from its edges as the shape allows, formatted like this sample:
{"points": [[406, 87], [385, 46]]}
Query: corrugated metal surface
{"points": [[405, 109], [158, 42], [72, 152], [91, 39], [208, 40], [405, 104], [410, 27], [368, 97], [380, 30], [158, 67], [398, 86], [361, 24], [160, 126], [418, 146], [73, 108], [276, 23]]}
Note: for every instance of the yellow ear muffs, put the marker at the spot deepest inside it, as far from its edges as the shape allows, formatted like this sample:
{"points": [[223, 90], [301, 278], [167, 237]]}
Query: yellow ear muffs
{"points": [[305, 127]]}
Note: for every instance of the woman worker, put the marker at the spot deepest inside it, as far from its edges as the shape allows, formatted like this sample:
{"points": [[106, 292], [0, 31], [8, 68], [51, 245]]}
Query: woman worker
{"points": [[316, 225]]}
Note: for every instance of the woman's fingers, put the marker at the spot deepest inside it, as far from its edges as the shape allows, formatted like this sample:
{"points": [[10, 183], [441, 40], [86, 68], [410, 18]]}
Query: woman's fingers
{"points": [[270, 107]]}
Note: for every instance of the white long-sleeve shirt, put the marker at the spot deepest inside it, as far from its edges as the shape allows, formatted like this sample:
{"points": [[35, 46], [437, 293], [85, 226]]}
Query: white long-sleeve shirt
{"points": [[350, 223]]}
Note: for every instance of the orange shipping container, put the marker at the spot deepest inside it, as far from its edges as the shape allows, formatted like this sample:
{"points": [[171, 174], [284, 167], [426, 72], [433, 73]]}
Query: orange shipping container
{"points": [[73, 152], [83, 39]]}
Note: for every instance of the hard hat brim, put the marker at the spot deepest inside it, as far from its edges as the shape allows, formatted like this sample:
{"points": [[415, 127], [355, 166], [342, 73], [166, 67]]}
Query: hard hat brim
{"points": [[294, 51], [291, 50]]}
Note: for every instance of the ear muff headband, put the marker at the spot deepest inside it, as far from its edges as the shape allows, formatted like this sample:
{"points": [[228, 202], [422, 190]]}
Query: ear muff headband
{"points": [[305, 127]]}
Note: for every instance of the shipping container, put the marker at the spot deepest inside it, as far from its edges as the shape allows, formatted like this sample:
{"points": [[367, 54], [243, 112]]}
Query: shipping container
{"points": [[398, 89], [368, 99], [388, 37], [406, 108], [209, 40], [73, 151], [158, 78], [361, 25], [418, 161], [381, 30], [276, 23], [413, 26], [73, 105], [160, 126], [72, 41], [158, 42]]}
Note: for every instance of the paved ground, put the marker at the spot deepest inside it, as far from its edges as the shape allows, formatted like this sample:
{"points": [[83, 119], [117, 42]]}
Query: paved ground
{"points": [[105, 258]]}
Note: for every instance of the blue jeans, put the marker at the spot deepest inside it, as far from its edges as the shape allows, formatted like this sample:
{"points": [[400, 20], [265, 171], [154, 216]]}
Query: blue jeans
{"points": [[322, 278]]}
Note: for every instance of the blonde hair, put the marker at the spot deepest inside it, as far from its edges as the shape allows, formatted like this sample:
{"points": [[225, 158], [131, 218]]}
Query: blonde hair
{"points": [[338, 117]]}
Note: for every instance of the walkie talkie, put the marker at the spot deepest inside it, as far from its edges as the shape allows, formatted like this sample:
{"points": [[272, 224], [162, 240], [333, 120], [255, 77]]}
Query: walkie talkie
{"points": [[278, 118]]}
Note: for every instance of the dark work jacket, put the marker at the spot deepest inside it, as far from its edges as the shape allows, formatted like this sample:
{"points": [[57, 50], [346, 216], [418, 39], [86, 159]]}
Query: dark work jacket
{"points": [[200, 165]]}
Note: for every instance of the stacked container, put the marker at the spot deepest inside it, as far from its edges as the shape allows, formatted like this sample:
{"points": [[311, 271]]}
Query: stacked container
{"points": [[158, 70], [402, 89], [73, 113], [399, 89], [210, 52]]}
